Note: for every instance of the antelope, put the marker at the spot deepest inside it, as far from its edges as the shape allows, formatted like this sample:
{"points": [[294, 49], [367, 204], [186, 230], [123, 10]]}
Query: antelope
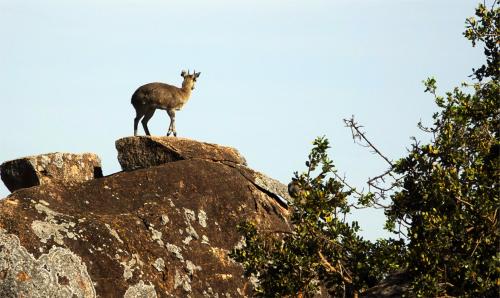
{"points": [[147, 98]]}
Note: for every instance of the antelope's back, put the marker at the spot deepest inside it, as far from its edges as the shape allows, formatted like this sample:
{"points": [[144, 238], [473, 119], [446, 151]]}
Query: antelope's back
{"points": [[154, 94]]}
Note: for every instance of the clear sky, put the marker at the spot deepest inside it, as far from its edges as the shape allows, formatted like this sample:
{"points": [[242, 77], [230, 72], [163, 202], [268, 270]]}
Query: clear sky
{"points": [[274, 75]]}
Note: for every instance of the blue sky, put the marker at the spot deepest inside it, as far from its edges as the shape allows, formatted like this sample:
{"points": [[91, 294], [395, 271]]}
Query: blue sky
{"points": [[274, 75]]}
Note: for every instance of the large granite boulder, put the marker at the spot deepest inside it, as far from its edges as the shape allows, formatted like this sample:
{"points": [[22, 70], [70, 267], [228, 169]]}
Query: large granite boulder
{"points": [[66, 168], [161, 231]]}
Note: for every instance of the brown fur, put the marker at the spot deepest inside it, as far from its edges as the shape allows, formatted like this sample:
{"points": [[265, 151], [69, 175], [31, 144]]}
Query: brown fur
{"points": [[147, 98]]}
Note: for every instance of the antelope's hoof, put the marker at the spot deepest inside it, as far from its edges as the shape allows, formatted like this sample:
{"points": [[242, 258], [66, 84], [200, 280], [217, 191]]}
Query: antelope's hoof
{"points": [[175, 134]]}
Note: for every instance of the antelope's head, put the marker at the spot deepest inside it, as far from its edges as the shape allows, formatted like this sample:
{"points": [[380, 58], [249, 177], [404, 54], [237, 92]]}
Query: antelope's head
{"points": [[189, 79]]}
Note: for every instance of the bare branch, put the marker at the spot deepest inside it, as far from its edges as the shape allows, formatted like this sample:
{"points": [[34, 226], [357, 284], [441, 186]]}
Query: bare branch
{"points": [[358, 134], [381, 176], [343, 180]]}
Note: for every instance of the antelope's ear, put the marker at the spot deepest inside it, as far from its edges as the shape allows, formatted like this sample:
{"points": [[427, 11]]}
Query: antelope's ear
{"points": [[197, 74], [183, 73]]}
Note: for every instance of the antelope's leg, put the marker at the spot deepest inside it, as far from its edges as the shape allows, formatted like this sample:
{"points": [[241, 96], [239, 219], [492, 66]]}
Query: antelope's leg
{"points": [[171, 128], [138, 117], [145, 120]]}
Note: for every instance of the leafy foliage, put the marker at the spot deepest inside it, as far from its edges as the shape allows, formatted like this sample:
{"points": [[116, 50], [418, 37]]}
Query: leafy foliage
{"points": [[323, 248], [444, 194], [450, 190]]}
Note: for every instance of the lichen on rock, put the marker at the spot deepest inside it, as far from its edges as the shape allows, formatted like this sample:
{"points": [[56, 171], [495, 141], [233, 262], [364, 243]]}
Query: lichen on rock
{"points": [[140, 290], [156, 236], [159, 264], [59, 273], [191, 267], [164, 219], [50, 228], [202, 218], [174, 249], [47, 230], [182, 280], [131, 265], [114, 233]]}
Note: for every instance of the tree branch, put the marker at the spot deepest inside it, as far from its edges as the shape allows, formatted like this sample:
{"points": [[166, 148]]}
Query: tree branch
{"points": [[331, 268], [358, 134]]}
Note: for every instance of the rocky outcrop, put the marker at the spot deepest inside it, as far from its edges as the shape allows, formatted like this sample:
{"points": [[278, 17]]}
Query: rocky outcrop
{"points": [[144, 152], [66, 168], [160, 231]]}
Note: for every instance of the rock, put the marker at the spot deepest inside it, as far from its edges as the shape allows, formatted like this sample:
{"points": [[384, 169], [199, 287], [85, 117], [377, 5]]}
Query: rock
{"points": [[393, 286], [66, 168], [163, 231], [271, 186], [60, 271], [145, 152]]}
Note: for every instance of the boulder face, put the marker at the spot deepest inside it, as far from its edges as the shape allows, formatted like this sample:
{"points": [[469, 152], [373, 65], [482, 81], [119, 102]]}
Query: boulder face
{"points": [[159, 231], [144, 152], [56, 167]]}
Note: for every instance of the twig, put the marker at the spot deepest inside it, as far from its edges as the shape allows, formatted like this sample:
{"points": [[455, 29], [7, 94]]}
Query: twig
{"points": [[477, 244], [381, 176], [465, 202], [360, 135], [343, 180]]}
